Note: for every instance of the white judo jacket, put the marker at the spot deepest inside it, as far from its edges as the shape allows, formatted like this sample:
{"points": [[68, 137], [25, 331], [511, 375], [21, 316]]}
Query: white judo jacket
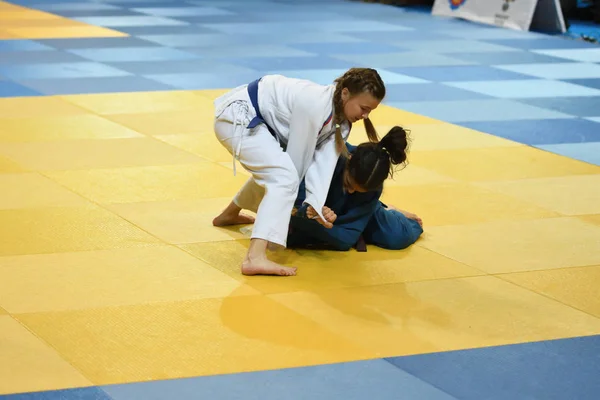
{"points": [[296, 110]]}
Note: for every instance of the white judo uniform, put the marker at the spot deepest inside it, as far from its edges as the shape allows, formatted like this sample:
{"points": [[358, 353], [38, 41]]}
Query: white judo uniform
{"points": [[297, 118]]}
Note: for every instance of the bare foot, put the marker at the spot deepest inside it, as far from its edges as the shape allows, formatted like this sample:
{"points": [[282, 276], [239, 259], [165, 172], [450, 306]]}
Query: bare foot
{"points": [[408, 215], [237, 219], [266, 267]]}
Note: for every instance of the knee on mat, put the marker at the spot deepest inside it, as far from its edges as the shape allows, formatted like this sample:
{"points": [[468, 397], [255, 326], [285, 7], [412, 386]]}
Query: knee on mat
{"points": [[405, 239]]}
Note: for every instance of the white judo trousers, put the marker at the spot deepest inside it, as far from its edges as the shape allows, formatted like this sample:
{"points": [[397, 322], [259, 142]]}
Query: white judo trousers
{"points": [[272, 190]]}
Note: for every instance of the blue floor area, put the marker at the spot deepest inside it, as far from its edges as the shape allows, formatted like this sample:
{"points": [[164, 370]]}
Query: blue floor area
{"points": [[549, 370], [535, 89]]}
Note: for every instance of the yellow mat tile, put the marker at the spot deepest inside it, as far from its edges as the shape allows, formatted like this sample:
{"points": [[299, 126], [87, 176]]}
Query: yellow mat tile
{"points": [[88, 154], [63, 229], [438, 136], [64, 32], [3, 311], [180, 221], [28, 190], [211, 94], [82, 280], [168, 122], [184, 339], [459, 203], [321, 269], [205, 145], [140, 102], [6, 35], [515, 246], [28, 364], [161, 183], [500, 163], [27, 21], [386, 115], [21, 13], [9, 167], [36, 107], [594, 219], [570, 195], [414, 175], [439, 315], [576, 287], [50, 128]]}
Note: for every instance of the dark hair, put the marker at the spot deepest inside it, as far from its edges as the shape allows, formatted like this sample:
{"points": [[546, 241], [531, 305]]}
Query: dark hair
{"points": [[357, 81], [372, 162]]}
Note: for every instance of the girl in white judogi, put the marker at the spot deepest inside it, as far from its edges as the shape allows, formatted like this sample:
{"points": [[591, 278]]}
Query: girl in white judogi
{"points": [[283, 130]]}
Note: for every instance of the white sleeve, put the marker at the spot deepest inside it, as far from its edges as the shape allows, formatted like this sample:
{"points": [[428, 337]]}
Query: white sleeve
{"points": [[319, 174]]}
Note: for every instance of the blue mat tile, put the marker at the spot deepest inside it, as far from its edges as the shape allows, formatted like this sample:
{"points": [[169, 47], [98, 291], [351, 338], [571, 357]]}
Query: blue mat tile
{"points": [[39, 57], [578, 106], [594, 119], [348, 381], [59, 71], [562, 71], [135, 54], [459, 73], [477, 110], [522, 89], [291, 27], [592, 83], [397, 37], [76, 6], [249, 50], [347, 48], [194, 39], [117, 22], [581, 55], [77, 14], [91, 393], [400, 59], [427, 92], [180, 67], [587, 152], [559, 369], [201, 20], [22, 45], [449, 46], [182, 11], [538, 132], [92, 43], [543, 43], [505, 57], [11, 89], [289, 63], [95, 85], [294, 16], [165, 30], [198, 81], [485, 33]]}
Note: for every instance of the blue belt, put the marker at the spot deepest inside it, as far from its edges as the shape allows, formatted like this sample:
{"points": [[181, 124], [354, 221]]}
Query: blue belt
{"points": [[253, 93]]}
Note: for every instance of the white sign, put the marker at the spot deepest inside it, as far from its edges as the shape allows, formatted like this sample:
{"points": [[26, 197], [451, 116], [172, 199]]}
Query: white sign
{"points": [[545, 15]]}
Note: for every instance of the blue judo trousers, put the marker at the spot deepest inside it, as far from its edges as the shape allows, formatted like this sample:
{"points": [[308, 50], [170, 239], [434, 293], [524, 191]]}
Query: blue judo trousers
{"points": [[359, 215]]}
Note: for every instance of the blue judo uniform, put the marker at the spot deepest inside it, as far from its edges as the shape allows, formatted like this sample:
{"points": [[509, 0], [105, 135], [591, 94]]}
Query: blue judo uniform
{"points": [[358, 214]]}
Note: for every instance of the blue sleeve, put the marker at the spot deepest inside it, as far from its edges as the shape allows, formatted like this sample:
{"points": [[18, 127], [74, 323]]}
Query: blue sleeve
{"points": [[301, 195], [345, 231]]}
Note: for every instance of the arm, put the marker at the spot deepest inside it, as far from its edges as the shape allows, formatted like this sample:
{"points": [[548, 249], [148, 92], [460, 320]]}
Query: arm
{"points": [[344, 233], [319, 174]]}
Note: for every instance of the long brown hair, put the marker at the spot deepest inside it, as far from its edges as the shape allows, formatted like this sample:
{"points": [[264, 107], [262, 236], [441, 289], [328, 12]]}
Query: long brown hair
{"points": [[357, 81]]}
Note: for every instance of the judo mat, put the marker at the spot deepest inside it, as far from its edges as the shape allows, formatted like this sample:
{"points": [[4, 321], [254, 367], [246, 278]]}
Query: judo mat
{"points": [[115, 285]]}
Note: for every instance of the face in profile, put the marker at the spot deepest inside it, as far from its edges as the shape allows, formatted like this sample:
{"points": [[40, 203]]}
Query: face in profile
{"points": [[359, 106]]}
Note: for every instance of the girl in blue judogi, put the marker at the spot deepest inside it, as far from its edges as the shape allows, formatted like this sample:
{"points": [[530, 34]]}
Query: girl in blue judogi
{"points": [[353, 198]]}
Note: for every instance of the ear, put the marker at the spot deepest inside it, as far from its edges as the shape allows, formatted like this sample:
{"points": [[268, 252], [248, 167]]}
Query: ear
{"points": [[345, 94]]}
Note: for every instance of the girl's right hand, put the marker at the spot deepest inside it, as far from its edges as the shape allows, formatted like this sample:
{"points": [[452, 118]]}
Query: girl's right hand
{"points": [[328, 213]]}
